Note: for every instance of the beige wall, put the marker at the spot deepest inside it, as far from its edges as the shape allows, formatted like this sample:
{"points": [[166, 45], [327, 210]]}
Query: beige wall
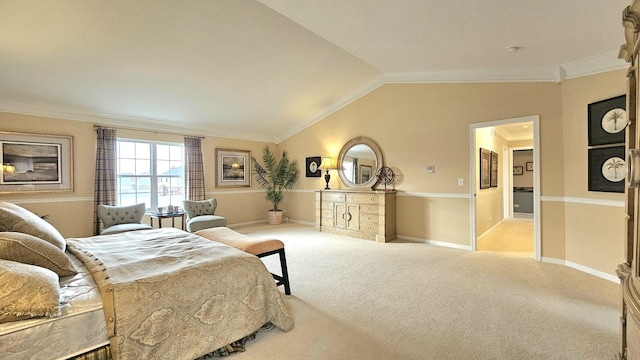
{"points": [[594, 233], [72, 212], [416, 125]]}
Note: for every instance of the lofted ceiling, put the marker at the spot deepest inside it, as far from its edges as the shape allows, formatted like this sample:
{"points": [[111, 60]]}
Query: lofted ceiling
{"points": [[264, 70]]}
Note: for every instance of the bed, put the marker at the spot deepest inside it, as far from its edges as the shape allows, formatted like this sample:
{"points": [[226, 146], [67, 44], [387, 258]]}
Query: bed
{"points": [[161, 293]]}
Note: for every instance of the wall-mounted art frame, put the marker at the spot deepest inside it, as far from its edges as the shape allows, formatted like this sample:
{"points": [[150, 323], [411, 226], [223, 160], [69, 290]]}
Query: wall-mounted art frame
{"points": [[494, 170], [529, 166], [607, 169], [35, 162], [485, 168], [233, 168], [607, 121], [313, 166], [517, 170]]}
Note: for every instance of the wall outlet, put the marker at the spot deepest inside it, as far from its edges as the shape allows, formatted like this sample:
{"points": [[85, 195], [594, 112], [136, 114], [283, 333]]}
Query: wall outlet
{"points": [[460, 181]]}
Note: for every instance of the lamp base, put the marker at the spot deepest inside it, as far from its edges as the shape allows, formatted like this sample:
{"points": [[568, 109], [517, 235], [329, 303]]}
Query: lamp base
{"points": [[327, 177]]}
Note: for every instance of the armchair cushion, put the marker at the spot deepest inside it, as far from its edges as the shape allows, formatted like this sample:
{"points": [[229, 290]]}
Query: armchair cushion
{"points": [[117, 219]]}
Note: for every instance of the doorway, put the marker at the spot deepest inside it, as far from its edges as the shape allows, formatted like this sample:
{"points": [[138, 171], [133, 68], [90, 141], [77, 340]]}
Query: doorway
{"points": [[494, 206]]}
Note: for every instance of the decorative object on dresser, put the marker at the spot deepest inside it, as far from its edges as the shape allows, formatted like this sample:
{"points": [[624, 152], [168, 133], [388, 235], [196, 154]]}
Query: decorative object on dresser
{"points": [[275, 176], [327, 164], [629, 270], [367, 215], [385, 176]]}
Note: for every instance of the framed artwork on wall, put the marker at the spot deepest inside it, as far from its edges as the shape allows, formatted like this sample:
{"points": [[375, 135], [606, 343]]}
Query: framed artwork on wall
{"points": [[365, 173], [494, 169], [517, 170], [607, 169], [529, 166], [607, 121], [35, 162], [232, 168], [485, 168], [313, 166]]}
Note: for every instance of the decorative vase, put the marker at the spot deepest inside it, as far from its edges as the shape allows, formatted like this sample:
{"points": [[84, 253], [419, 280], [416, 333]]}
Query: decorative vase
{"points": [[275, 217]]}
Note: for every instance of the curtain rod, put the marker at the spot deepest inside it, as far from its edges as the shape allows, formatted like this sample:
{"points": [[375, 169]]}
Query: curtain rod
{"points": [[95, 126]]}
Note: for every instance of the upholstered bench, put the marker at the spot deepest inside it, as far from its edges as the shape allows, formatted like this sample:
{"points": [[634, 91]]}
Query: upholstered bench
{"points": [[257, 247]]}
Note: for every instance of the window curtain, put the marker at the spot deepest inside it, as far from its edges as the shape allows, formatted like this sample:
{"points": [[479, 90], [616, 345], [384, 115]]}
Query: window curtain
{"points": [[194, 170], [105, 181]]}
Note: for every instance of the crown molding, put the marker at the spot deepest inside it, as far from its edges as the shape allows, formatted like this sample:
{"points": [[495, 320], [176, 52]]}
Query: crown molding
{"points": [[594, 65], [123, 121], [538, 74]]}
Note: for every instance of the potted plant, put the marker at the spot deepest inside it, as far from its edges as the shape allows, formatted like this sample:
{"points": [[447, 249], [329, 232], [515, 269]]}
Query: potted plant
{"points": [[275, 176]]}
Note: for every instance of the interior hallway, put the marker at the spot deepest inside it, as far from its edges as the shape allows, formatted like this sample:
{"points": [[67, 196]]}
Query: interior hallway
{"points": [[509, 236]]}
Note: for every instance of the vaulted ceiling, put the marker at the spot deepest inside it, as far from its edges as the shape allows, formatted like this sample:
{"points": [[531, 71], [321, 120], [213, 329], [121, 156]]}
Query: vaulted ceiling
{"points": [[264, 70]]}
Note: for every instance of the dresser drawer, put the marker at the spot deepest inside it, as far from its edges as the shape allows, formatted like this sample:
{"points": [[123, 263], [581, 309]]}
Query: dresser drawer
{"points": [[333, 197], [369, 209], [369, 228], [368, 219], [362, 198]]}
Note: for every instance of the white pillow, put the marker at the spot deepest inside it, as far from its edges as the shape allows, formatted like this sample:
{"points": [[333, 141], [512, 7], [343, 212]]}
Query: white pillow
{"points": [[27, 291], [18, 219]]}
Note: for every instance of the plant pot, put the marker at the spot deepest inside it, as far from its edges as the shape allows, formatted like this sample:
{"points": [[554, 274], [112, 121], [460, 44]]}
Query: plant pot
{"points": [[275, 217]]}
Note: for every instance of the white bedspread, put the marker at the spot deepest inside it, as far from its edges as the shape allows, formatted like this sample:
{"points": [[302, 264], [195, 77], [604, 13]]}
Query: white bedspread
{"points": [[169, 294]]}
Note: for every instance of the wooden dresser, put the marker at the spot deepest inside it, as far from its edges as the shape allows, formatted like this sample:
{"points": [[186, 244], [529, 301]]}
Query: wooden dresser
{"points": [[367, 215]]}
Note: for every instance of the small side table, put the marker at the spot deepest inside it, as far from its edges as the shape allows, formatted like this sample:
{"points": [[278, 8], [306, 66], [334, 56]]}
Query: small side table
{"points": [[171, 216]]}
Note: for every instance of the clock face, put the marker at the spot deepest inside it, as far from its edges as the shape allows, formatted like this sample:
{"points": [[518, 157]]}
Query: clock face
{"points": [[614, 169], [614, 121]]}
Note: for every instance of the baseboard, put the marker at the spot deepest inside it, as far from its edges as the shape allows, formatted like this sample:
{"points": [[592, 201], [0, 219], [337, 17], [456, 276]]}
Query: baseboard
{"points": [[584, 269], [434, 242]]}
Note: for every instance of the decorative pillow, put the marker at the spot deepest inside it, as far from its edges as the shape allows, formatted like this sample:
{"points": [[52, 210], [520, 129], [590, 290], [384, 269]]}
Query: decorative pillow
{"points": [[18, 219], [28, 249], [27, 291]]}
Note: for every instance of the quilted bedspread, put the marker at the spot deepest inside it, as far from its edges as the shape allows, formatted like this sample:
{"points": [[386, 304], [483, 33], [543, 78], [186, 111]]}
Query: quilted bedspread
{"points": [[169, 294]]}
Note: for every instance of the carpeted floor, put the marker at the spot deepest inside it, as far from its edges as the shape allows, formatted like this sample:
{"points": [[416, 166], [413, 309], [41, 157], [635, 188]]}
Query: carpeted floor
{"points": [[509, 236], [358, 299]]}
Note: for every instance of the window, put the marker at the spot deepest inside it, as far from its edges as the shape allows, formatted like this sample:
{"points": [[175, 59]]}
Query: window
{"points": [[148, 172]]}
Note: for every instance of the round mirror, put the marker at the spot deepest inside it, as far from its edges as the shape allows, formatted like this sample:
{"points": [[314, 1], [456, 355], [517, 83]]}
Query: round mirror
{"points": [[359, 161]]}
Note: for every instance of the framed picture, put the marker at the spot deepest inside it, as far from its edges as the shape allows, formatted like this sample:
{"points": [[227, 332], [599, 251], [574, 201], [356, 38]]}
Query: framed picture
{"points": [[365, 173], [494, 170], [607, 169], [485, 168], [607, 121], [529, 166], [233, 168], [313, 165], [35, 162], [517, 170]]}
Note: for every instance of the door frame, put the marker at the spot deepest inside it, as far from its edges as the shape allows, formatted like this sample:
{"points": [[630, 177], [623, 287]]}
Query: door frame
{"points": [[535, 119]]}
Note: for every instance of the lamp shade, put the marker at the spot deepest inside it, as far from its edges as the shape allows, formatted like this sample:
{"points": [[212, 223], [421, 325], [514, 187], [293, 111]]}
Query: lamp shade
{"points": [[8, 168], [328, 164]]}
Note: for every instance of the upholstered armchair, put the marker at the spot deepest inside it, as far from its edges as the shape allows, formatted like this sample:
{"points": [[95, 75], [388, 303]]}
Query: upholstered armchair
{"points": [[201, 214], [118, 219]]}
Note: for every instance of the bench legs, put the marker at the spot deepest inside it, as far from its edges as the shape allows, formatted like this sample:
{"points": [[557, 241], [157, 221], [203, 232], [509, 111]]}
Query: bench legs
{"points": [[284, 279]]}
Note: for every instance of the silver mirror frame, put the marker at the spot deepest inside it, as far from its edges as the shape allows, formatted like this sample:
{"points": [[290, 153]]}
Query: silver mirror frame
{"points": [[360, 140]]}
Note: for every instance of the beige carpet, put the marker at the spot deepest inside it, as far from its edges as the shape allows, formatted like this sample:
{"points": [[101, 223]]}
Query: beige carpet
{"points": [[509, 236], [358, 299]]}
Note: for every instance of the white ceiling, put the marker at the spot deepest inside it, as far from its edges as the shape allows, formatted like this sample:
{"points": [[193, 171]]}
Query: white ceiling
{"points": [[266, 70]]}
